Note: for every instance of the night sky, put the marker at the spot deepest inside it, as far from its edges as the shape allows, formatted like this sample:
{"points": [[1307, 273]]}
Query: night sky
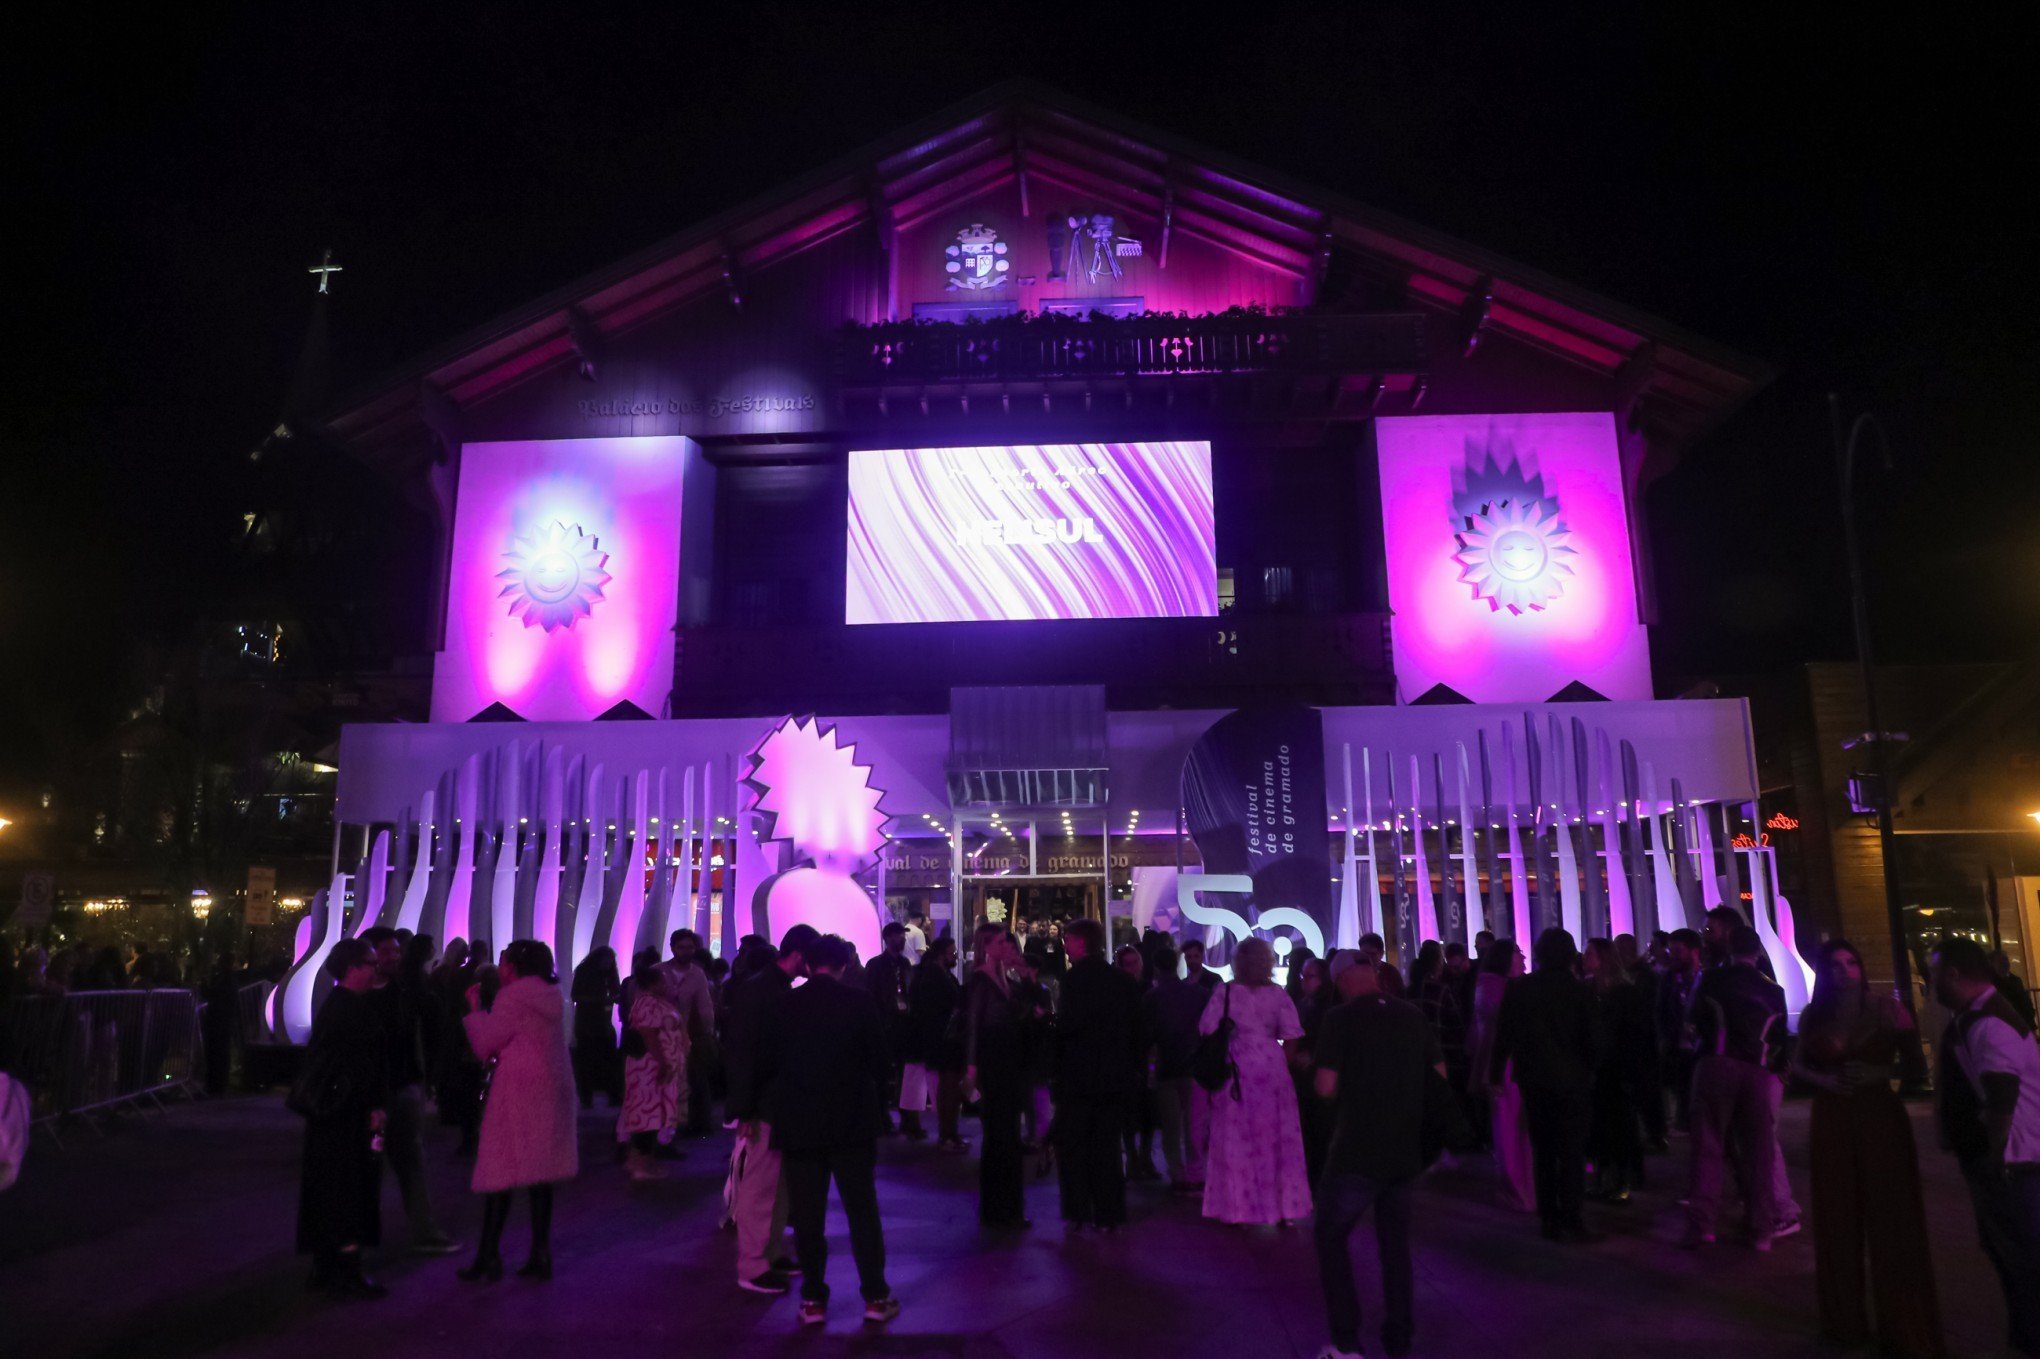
{"points": [[1837, 200]]}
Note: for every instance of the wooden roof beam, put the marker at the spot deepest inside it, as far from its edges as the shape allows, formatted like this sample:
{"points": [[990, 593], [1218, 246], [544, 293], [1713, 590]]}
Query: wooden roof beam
{"points": [[729, 279], [587, 340], [1474, 315]]}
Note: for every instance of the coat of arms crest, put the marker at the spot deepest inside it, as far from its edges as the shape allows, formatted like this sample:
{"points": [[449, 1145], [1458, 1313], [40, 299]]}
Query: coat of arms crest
{"points": [[977, 260]]}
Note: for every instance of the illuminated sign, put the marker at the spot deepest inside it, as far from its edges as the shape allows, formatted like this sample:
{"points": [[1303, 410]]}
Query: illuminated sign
{"points": [[977, 259], [1510, 574], [945, 535], [563, 583], [1087, 243]]}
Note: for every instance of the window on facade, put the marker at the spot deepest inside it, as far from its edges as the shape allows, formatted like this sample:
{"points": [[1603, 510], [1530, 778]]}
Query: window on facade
{"points": [[1321, 590], [1228, 589]]}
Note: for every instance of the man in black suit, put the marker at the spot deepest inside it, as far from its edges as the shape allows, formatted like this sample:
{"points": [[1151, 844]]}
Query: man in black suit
{"points": [[760, 1205], [886, 977], [1098, 1068], [824, 1048], [1547, 1025]]}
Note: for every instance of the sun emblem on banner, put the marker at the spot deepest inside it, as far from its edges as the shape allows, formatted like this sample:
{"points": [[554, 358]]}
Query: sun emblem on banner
{"points": [[1514, 554], [555, 576]]}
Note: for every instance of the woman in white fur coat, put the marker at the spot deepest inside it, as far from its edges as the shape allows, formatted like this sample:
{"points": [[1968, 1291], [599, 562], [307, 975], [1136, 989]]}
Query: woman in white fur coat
{"points": [[529, 1139]]}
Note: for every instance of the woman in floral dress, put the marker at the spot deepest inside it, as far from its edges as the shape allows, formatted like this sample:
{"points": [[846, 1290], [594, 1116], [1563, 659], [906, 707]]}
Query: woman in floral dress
{"points": [[654, 1070], [1255, 1171]]}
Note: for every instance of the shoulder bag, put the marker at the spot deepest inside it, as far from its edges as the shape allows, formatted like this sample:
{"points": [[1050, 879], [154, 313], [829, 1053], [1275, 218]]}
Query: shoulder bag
{"points": [[1212, 1064]]}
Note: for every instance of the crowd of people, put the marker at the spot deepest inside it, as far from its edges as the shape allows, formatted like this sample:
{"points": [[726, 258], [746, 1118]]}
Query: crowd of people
{"points": [[34, 969], [1325, 1096]]}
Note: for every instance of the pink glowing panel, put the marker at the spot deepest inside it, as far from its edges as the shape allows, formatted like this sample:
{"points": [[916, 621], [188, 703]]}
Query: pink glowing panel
{"points": [[808, 781], [563, 585], [829, 902], [949, 535], [1509, 565]]}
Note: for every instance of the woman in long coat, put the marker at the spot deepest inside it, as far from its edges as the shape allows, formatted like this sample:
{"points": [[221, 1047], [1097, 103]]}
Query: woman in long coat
{"points": [[1256, 1170], [998, 1004], [339, 1194], [528, 1136]]}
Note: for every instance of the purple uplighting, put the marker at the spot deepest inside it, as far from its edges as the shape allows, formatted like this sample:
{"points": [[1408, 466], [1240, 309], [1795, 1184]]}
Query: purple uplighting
{"points": [[1510, 573], [564, 578]]}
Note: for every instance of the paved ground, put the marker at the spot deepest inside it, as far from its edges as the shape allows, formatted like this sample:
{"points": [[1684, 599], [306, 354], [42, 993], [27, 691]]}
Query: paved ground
{"points": [[171, 1236]]}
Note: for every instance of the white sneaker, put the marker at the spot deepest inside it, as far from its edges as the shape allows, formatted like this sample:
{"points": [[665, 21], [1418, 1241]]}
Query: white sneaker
{"points": [[1791, 1226], [1334, 1352]]}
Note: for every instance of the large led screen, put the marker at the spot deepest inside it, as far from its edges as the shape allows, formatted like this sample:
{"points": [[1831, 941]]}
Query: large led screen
{"points": [[955, 535], [564, 578], [1510, 574]]}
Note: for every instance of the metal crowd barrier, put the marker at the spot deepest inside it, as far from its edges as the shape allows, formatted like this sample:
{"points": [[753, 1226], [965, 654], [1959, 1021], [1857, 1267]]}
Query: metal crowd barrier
{"points": [[251, 1013], [98, 1050]]}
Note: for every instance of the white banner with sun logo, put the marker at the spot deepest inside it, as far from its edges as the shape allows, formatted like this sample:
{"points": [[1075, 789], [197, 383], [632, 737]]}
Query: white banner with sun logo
{"points": [[563, 583], [1510, 570]]}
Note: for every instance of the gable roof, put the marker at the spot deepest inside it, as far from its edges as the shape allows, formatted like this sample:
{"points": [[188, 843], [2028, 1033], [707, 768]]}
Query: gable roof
{"points": [[1677, 384]]}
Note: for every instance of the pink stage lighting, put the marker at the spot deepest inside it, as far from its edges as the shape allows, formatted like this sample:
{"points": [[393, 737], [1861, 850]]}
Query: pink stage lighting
{"points": [[563, 583], [1510, 573]]}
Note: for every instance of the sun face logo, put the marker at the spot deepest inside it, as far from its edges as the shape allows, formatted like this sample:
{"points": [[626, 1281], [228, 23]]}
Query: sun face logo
{"points": [[555, 576], [1514, 554]]}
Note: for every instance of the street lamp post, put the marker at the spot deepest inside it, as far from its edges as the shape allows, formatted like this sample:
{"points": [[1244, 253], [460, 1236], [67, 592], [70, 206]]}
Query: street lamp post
{"points": [[1845, 462]]}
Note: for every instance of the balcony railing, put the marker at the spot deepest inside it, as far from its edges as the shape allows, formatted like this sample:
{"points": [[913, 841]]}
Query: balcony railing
{"points": [[1031, 349], [1181, 662]]}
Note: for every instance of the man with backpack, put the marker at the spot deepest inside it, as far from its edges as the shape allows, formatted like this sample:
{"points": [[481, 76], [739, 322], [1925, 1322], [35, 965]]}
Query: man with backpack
{"points": [[1989, 1107]]}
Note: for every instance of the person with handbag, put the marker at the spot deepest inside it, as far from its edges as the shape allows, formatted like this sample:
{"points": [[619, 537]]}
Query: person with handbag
{"points": [[692, 997], [1182, 1106], [402, 1007], [1256, 1171], [758, 1199], [528, 1135], [341, 1093], [1376, 1063]]}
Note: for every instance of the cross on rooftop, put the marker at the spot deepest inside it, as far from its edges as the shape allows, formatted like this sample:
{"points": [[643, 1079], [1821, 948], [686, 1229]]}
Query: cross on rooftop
{"points": [[325, 269]]}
